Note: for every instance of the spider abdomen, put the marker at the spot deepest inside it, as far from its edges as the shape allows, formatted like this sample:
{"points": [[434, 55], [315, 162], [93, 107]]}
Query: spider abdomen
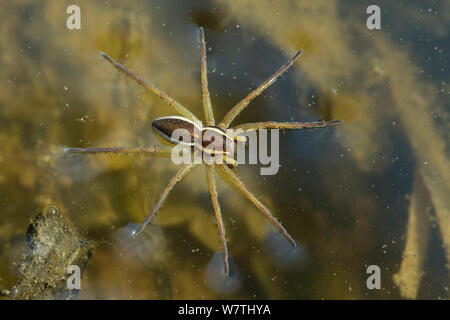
{"points": [[180, 130], [177, 130]]}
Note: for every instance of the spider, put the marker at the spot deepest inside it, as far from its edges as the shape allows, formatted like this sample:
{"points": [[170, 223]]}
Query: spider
{"points": [[166, 125]]}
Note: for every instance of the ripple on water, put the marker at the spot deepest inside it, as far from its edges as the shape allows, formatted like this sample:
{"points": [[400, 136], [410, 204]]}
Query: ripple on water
{"points": [[287, 256], [150, 247], [217, 280]]}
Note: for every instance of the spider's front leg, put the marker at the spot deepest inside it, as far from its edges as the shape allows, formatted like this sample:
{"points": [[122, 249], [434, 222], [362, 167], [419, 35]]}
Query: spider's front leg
{"points": [[286, 125], [207, 106], [237, 109]]}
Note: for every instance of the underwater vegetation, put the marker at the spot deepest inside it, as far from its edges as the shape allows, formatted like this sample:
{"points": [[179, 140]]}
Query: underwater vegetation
{"points": [[374, 191]]}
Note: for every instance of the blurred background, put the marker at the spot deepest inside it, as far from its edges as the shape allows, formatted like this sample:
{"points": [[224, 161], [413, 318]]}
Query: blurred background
{"points": [[371, 191]]}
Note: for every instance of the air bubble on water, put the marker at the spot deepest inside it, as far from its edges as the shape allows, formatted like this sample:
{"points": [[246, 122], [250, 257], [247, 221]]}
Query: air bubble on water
{"points": [[217, 280], [52, 210], [149, 248], [287, 256], [126, 235]]}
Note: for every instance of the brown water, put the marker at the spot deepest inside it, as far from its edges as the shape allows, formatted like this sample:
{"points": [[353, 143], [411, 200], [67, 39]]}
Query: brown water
{"points": [[372, 191]]}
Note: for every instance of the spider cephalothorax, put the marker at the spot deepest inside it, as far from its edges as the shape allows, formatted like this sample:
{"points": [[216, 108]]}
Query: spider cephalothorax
{"points": [[201, 137]]}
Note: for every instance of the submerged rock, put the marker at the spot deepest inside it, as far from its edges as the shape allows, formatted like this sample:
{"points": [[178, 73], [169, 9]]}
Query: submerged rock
{"points": [[54, 246]]}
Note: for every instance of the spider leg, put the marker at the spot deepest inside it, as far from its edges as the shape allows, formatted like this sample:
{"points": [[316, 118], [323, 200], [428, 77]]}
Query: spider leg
{"points": [[237, 182], [212, 186], [230, 161], [234, 112], [286, 125], [181, 173], [207, 106], [121, 150], [170, 101], [240, 138]]}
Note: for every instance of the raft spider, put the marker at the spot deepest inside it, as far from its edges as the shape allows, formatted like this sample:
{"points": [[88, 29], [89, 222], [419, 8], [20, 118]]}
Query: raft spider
{"points": [[166, 125]]}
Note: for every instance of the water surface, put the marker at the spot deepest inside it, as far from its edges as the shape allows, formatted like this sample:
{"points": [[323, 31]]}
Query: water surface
{"points": [[372, 191]]}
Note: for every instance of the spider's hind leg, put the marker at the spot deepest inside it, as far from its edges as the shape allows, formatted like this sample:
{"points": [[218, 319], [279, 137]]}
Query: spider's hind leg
{"points": [[153, 150], [148, 86], [181, 173]]}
